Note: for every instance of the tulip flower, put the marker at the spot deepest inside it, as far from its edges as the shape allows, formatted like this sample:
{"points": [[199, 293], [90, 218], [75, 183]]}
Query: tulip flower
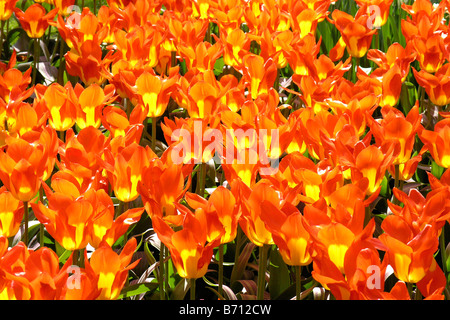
{"points": [[236, 44], [250, 201], [437, 85], [112, 268], [66, 218], [288, 232], [104, 226], [355, 32], [387, 84], [162, 185], [61, 103], [396, 127], [357, 280], [91, 102], [435, 142], [81, 153], [394, 55], [22, 167], [13, 84], [7, 9], [219, 212], [382, 13], [35, 20], [189, 249], [11, 213], [371, 162], [154, 92], [32, 275], [410, 254], [125, 170], [14, 286], [89, 63], [259, 74]]}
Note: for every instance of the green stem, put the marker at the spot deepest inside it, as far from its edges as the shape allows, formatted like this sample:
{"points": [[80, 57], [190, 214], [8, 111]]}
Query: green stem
{"points": [[154, 134], [298, 282], [161, 271], [80, 258], [124, 209], [368, 215], [263, 251], [396, 183], [166, 269], [192, 290], [61, 61], [443, 251], [41, 226], [25, 216], [220, 289], [2, 36], [201, 180], [36, 60]]}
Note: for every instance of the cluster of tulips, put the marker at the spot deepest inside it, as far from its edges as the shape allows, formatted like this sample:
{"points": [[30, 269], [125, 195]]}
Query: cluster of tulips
{"points": [[353, 204]]}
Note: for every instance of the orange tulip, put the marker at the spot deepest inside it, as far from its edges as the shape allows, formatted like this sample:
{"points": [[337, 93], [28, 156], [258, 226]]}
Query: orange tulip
{"points": [[61, 104], [7, 8], [355, 32], [219, 213], [355, 280], [35, 20], [22, 167], [436, 86], [236, 44], [202, 57], [89, 63], [250, 201], [399, 129], [81, 285], [288, 232], [435, 142], [31, 275], [162, 185], [125, 170], [381, 13], [80, 28], [13, 84], [104, 227], [192, 140], [91, 101], [154, 91], [259, 74], [410, 254], [11, 213], [112, 268], [115, 120], [370, 162], [385, 83], [82, 153], [395, 55], [66, 218], [189, 249], [13, 284]]}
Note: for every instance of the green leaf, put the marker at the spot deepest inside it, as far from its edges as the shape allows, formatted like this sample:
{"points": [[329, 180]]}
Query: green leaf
{"points": [[218, 66], [62, 253], [136, 289], [180, 290], [385, 190], [279, 274], [436, 170]]}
